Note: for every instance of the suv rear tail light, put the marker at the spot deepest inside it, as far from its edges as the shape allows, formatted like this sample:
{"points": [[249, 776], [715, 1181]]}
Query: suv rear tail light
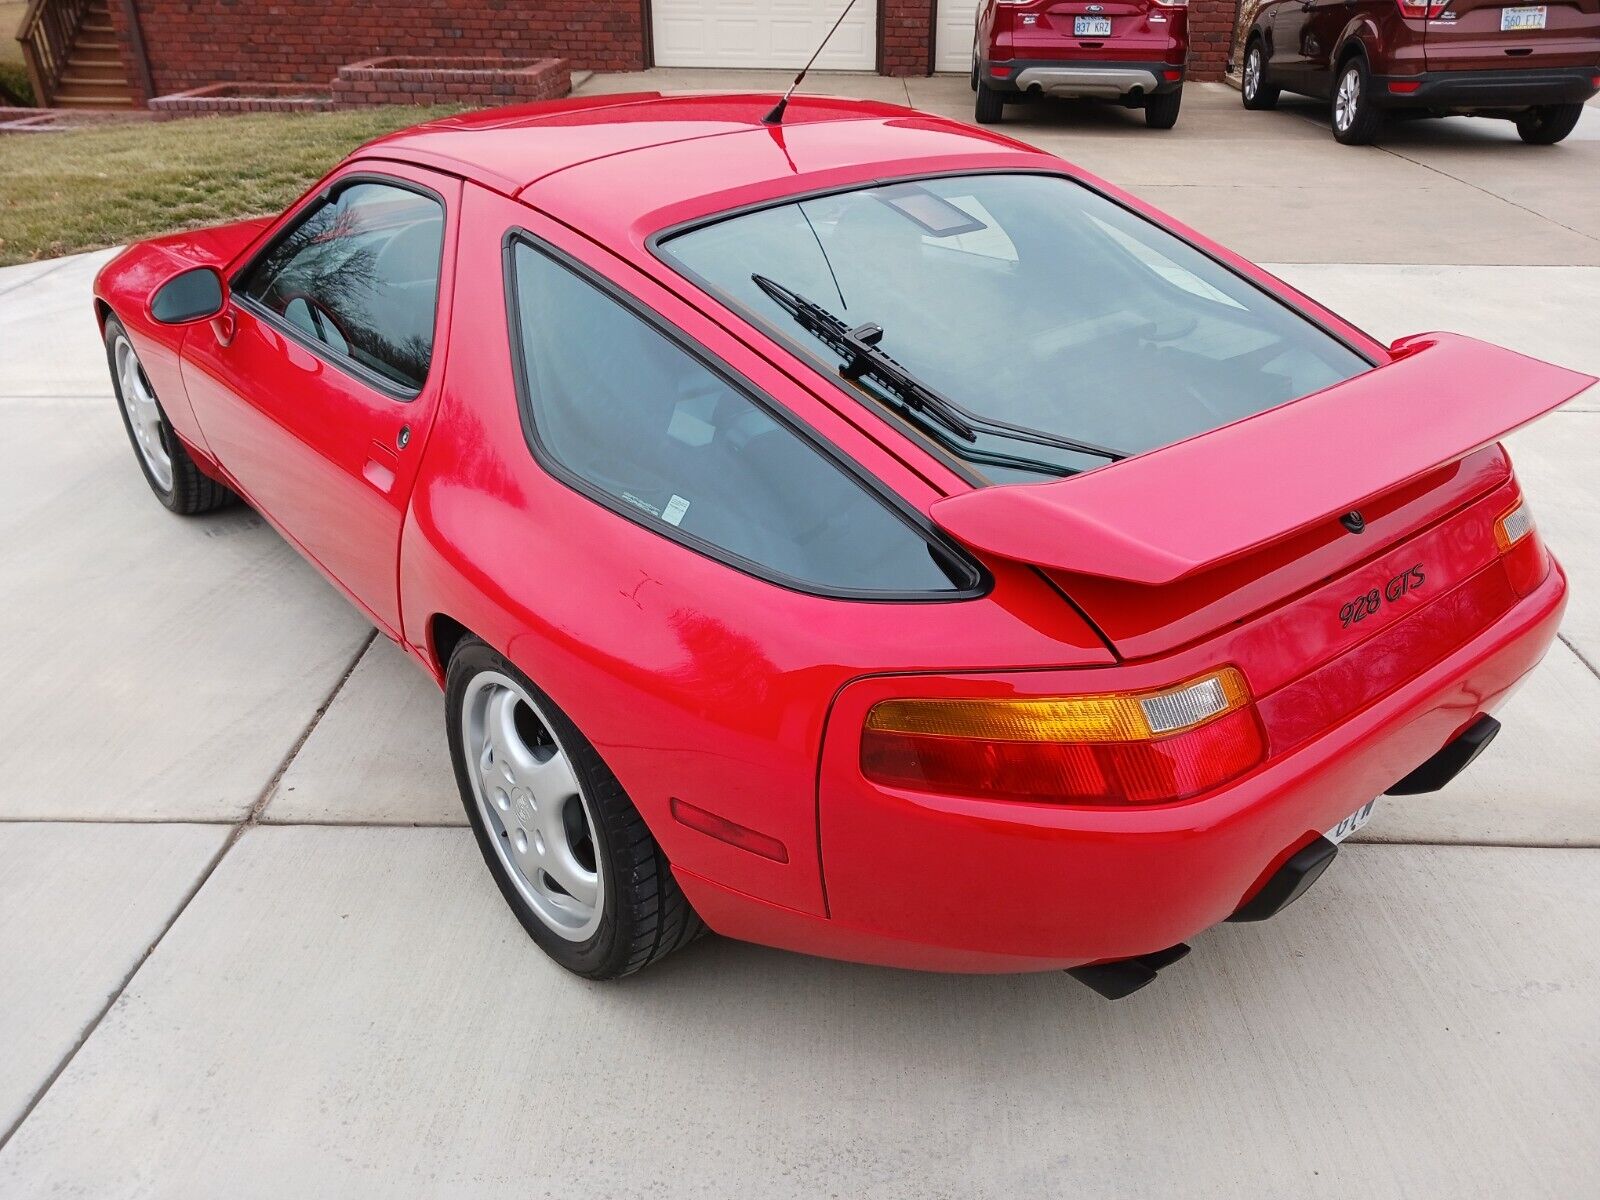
{"points": [[1115, 749], [1524, 555], [1425, 11]]}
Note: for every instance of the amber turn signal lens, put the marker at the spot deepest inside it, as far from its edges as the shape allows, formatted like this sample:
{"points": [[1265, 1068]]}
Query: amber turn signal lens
{"points": [[1513, 526], [1112, 717]]}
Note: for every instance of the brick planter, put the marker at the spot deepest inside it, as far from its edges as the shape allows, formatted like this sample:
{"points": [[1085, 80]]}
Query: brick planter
{"points": [[412, 79], [242, 98]]}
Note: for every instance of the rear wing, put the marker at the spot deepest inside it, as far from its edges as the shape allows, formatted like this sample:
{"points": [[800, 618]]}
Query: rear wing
{"points": [[1157, 517]]}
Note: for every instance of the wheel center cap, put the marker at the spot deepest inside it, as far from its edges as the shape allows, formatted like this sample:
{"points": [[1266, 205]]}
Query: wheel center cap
{"points": [[522, 802]]}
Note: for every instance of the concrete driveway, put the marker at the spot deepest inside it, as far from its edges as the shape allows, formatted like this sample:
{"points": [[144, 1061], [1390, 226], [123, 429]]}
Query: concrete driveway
{"points": [[248, 949]]}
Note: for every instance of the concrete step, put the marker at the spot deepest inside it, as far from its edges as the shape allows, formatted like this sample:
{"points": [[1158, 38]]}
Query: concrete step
{"points": [[99, 78], [93, 100]]}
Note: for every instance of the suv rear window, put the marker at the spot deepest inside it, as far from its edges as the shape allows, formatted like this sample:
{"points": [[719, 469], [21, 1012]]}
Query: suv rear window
{"points": [[1027, 299]]}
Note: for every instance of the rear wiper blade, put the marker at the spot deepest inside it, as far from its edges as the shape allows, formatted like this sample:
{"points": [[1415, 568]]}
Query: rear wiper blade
{"points": [[858, 346]]}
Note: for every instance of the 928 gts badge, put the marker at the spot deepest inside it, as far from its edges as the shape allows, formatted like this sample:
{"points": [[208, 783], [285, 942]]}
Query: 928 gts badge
{"points": [[1364, 606]]}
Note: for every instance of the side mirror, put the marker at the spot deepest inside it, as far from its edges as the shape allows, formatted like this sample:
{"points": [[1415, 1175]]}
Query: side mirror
{"points": [[193, 295]]}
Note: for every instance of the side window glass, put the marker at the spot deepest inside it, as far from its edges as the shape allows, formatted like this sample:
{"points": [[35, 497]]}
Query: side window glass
{"points": [[360, 275], [635, 416]]}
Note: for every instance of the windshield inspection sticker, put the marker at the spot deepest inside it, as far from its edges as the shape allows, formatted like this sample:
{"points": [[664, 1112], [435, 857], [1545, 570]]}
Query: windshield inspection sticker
{"points": [[672, 514]]}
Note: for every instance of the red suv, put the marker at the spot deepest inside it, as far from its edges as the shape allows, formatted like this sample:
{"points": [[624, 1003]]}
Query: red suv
{"points": [[1131, 52], [1534, 64]]}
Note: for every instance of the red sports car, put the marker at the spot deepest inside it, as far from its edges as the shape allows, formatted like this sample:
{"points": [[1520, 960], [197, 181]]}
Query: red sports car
{"points": [[863, 534]]}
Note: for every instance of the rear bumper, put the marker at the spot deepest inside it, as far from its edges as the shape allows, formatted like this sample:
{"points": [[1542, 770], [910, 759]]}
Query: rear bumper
{"points": [[1111, 80], [1490, 89], [940, 883]]}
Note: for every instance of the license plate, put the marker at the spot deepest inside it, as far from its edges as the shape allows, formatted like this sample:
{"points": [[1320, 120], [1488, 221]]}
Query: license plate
{"points": [[1521, 18], [1101, 26], [1351, 823]]}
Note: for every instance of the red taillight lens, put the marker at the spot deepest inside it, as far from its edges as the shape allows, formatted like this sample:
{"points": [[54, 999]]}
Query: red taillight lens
{"points": [[1523, 553], [1133, 748], [1423, 11], [1404, 87]]}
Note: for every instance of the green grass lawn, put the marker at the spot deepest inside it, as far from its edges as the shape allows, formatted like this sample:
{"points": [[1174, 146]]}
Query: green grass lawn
{"points": [[81, 190]]}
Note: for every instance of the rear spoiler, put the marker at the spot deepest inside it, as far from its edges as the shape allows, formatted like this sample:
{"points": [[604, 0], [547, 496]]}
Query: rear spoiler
{"points": [[1157, 517]]}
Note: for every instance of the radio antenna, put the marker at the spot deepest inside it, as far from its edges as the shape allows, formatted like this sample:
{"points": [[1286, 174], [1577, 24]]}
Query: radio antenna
{"points": [[775, 117]]}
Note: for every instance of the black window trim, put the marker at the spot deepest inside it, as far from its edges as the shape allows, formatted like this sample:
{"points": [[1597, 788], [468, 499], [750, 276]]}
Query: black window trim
{"points": [[952, 557], [349, 366], [655, 242]]}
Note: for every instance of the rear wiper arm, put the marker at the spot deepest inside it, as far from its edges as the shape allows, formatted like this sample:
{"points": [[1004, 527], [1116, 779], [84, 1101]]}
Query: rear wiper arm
{"points": [[858, 347]]}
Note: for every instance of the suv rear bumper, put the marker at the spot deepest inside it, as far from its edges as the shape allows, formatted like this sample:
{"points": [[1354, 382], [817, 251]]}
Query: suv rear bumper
{"points": [[1109, 80], [1490, 89], [946, 884]]}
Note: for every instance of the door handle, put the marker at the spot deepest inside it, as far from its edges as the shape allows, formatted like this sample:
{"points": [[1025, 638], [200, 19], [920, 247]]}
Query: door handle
{"points": [[223, 325], [379, 469]]}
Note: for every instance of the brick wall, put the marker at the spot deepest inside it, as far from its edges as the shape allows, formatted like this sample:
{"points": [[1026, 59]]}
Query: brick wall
{"points": [[196, 42], [470, 81], [907, 31], [191, 44], [1210, 35]]}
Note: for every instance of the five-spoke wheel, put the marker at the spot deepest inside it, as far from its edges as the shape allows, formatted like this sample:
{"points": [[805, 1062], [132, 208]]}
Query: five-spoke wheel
{"points": [[570, 853], [529, 797], [171, 473]]}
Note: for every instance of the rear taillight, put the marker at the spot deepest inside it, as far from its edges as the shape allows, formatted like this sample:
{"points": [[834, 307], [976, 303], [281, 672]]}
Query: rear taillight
{"points": [[1121, 748], [1513, 526], [1521, 550], [1424, 11]]}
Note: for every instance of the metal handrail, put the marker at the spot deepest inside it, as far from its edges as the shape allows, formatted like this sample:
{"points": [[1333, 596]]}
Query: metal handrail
{"points": [[47, 33]]}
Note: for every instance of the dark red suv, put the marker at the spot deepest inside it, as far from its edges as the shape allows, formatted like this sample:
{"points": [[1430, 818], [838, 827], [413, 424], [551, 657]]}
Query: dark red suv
{"points": [[1131, 52], [1534, 64]]}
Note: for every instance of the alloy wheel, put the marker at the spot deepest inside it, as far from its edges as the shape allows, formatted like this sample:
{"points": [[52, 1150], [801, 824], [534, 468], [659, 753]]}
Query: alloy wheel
{"points": [[1252, 73], [532, 806], [1348, 97], [144, 414]]}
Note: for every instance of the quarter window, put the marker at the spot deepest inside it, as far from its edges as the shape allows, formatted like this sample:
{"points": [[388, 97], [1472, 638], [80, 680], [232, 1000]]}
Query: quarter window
{"points": [[634, 416], [359, 276]]}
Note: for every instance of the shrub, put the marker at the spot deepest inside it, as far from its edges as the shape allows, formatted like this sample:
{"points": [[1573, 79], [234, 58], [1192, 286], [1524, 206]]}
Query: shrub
{"points": [[14, 86]]}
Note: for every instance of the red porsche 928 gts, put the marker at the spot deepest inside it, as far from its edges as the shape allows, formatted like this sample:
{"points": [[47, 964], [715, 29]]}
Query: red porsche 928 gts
{"points": [[863, 534]]}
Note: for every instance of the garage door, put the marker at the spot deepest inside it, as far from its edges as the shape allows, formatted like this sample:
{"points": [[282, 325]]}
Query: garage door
{"points": [[952, 43], [763, 33]]}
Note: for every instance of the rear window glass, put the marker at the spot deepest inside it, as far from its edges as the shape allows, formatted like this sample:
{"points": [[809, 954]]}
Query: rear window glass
{"points": [[1026, 299]]}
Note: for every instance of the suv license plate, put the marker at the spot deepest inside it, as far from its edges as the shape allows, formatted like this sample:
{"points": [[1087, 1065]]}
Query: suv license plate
{"points": [[1351, 823], [1521, 18], [1101, 26]]}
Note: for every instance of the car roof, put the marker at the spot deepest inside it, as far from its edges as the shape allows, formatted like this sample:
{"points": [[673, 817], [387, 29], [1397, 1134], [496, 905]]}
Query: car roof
{"points": [[631, 164]]}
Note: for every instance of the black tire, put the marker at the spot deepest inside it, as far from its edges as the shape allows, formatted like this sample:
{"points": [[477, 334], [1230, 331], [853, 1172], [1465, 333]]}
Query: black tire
{"points": [[1260, 94], [644, 915], [190, 491], [1548, 124], [1359, 127], [991, 106], [1161, 111], [974, 79]]}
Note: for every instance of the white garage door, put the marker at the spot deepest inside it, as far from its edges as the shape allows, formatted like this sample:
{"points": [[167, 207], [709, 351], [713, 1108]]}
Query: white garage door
{"points": [[952, 43], [763, 33]]}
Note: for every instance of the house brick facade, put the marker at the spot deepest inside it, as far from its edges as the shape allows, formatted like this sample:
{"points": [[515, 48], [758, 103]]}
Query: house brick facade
{"points": [[190, 44]]}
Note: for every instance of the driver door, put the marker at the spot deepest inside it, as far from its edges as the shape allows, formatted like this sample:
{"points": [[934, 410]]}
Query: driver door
{"points": [[316, 387]]}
